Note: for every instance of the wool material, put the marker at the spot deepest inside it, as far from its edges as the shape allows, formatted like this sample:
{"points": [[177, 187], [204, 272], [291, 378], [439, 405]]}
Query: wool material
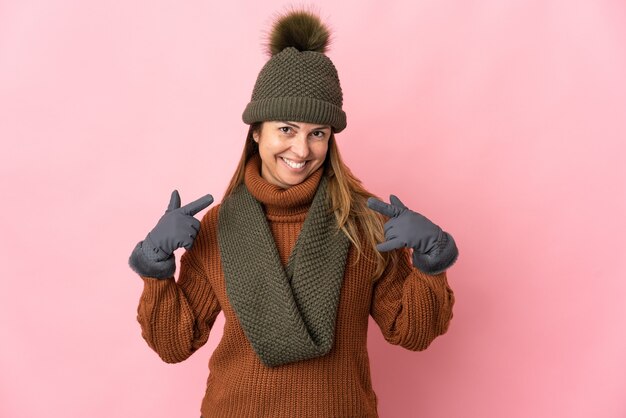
{"points": [[411, 308], [287, 313], [300, 86]]}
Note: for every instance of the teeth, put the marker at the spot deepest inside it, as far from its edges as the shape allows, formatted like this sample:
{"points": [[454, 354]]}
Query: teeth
{"points": [[292, 164]]}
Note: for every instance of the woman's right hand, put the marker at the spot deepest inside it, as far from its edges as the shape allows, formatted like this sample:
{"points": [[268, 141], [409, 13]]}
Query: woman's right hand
{"points": [[176, 228]]}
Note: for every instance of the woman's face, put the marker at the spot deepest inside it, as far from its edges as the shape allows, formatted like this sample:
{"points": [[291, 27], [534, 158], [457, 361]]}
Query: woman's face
{"points": [[284, 146]]}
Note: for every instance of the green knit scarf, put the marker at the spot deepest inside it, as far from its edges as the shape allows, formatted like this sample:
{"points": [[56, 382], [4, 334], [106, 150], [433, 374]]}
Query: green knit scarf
{"points": [[287, 313]]}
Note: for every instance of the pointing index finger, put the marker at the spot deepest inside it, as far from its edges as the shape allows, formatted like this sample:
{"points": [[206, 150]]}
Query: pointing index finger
{"points": [[382, 207], [197, 205]]}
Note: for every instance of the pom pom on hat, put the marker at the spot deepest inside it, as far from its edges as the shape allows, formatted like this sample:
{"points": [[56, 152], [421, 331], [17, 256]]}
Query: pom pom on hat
{"points": [[300, 29]]}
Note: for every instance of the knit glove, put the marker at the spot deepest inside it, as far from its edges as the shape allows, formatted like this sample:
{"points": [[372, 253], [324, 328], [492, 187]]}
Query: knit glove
{"points": [[153, 257], [434, 250]]}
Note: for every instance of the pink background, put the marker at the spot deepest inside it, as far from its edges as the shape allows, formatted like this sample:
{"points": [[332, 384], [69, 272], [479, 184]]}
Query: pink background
{"points": [[502, 121]]}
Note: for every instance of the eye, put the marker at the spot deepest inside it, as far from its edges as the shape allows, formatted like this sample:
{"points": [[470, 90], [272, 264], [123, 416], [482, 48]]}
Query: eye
{"points": [[285, 129], [318, 134]]}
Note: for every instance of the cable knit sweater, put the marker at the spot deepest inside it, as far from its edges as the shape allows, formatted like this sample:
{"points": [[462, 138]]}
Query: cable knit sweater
{"points": [[410, 307]]}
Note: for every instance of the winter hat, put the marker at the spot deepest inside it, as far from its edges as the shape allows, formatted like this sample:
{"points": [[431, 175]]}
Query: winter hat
{"points": [[299, 82]]}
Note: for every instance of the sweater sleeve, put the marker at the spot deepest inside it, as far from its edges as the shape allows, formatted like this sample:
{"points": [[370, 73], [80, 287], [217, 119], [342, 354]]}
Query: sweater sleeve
{"points": [[411, 307], [176, 316]]}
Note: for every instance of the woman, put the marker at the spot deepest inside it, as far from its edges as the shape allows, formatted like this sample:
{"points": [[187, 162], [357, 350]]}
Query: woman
{"points": [[297, 255]]}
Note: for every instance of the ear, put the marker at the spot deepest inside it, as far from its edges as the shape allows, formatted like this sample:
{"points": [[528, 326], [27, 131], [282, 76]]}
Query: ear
{"points": [[255, 135], [256, 131]]}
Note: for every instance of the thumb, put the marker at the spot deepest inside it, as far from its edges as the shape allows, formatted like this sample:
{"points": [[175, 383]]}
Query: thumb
{"points": [[396, 201], [174, 201]]}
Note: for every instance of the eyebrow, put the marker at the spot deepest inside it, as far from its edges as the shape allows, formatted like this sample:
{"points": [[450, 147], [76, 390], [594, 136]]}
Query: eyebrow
{"points": [[296, 126]]}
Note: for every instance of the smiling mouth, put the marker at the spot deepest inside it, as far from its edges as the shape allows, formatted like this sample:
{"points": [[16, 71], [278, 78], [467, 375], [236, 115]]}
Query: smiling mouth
{"points": [[293, 165]]}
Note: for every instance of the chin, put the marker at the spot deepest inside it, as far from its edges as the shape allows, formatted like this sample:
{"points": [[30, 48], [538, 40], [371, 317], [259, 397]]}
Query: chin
{"points": [[295, 182]]}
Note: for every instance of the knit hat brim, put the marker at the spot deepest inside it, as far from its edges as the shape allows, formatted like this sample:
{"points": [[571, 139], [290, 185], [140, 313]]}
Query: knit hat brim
{"points": [[297, 109]]}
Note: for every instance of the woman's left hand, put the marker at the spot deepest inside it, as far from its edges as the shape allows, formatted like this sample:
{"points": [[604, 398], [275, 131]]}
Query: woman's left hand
{"points": [[405, 228], [434, 250]]}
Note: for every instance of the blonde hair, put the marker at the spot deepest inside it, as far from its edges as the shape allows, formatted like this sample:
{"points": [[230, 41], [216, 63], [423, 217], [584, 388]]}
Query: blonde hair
{"points": [[348, 201]]}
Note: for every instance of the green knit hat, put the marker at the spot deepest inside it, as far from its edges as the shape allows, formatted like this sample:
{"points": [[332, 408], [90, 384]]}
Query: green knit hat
{"points": [[299, 82]]}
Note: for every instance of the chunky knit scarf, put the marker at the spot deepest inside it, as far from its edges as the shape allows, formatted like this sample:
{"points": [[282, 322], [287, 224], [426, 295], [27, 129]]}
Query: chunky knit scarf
{"points": [[287, 313]]}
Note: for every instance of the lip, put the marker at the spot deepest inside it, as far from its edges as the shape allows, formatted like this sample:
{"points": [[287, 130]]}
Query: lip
{"points": [[295, 170]]}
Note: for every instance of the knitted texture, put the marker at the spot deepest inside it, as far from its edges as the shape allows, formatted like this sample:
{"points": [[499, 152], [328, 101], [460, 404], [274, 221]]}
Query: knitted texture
{"points": [[288, 314], [410, 307], [297, 86]]}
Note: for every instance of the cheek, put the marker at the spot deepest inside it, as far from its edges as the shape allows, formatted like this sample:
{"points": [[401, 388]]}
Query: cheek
{"points": [[321, 151], [270, 152], [274, 147]]}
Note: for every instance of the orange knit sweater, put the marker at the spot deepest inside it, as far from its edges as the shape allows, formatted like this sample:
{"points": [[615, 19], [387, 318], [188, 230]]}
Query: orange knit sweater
{"points": [[410, 307]]}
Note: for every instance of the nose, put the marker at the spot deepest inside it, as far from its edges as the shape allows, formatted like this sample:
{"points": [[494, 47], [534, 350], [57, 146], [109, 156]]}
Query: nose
{"points": [[300, 146]]}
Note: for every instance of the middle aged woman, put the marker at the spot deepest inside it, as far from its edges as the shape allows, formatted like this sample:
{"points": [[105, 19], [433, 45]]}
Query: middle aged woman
{"points": [[297, 256]]}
